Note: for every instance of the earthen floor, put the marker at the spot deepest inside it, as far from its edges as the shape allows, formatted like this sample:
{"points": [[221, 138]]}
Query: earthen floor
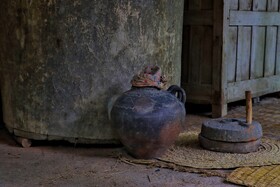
{"points": [[62, 164]]}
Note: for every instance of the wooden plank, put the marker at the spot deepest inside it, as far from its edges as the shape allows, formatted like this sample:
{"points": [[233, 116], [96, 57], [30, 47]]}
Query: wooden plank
{"points": [[207, 5], [198, 17], [220, 109], [207, 54], [259, 5], [258, 87], [230, 50], [271, 41], [272, 5], [270, 51], [258, 43], [243, 53], [230, 42], [198, 89], [195, 4], [277, 70], [245, 4], [257, 52], [254, 18], [196, 38], [233, 4], [200, 94], [219, 77]]}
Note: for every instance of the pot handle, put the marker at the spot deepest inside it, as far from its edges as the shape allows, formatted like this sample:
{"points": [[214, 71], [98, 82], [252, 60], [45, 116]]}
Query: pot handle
{"points": [[181, 94]]}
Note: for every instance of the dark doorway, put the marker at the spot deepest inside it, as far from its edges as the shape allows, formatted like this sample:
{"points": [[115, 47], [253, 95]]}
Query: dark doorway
{"points": [[1, 113]]}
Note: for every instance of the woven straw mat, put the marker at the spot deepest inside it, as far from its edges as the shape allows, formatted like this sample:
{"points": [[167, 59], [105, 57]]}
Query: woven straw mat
{"points": [[187, 152], [256, 176]]}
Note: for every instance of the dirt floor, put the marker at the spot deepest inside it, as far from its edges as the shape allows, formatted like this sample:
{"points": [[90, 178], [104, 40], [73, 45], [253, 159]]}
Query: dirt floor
{"points": [[63, 164]]}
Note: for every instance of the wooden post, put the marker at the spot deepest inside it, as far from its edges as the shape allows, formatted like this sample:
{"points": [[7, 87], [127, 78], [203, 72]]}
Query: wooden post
{"points": [[249, 111]]}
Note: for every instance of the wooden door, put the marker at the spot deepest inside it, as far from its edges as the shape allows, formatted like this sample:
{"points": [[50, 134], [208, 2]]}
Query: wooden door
{"points": [[251, 50], [197, 51], [202, 54], [230, 46]]}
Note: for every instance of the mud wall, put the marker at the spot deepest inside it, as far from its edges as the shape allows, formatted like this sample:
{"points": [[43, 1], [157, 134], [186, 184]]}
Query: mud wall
{"points": [[61, 61]]}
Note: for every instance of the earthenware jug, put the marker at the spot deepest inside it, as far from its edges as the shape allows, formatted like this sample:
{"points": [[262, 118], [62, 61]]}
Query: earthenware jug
{"points": [[148, 119]]}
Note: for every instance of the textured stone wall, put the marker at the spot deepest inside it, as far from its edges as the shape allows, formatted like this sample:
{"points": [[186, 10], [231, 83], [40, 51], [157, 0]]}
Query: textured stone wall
{"points": [[61, 60]]}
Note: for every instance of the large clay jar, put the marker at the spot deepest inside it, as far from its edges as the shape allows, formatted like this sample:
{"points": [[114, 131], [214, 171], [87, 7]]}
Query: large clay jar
{"points": [[148, 120]]}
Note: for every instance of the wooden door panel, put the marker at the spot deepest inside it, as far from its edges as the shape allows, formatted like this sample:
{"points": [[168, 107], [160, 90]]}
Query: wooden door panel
{"points": [[270, 51], [243, 53], [257, 52], [257, 62]]}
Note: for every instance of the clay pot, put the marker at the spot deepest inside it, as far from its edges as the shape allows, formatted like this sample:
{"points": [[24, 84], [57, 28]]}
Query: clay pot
{"points": [[148, 120]]}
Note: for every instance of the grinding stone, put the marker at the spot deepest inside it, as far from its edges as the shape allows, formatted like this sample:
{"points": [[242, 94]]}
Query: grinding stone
{"points": [[231, 130], [229, 147]]}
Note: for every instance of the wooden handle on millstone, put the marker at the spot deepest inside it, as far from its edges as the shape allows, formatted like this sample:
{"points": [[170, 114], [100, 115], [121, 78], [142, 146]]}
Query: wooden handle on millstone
{"points": [[249, 111]]}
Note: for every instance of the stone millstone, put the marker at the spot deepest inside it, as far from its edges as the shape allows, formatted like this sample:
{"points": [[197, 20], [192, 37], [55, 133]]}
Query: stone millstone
{"points": [[229, 147], [230, 135], [231, 130]]}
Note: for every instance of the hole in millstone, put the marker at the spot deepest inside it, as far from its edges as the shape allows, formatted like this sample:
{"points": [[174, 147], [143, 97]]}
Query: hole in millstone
{"points": [[229, 121]]}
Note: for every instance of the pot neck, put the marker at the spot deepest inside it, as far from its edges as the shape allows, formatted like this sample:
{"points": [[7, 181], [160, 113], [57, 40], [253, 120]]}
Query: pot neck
{"points": [[145, 87]]}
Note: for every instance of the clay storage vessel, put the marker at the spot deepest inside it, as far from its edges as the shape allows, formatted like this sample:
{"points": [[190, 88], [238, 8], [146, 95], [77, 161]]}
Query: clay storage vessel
{"points": [[148, 119]]}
